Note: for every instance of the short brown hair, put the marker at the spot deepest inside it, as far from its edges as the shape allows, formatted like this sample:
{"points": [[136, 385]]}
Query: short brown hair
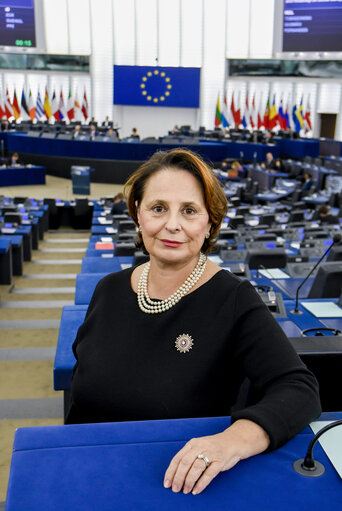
{"points": [[181, 159]]}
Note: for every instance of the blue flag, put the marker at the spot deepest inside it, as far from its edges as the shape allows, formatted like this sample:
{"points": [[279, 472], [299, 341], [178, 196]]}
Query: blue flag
{"points": [[297, 125], [157, 86]]}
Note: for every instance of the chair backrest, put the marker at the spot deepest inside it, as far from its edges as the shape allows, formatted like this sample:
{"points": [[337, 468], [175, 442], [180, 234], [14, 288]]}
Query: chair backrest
{"points": [[328, 281], [269, 258], [296, 216], [100, 265], [335, 254], [124, 249]]}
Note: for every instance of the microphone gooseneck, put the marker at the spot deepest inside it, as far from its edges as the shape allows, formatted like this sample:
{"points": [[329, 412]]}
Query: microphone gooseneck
{"points": [[308, 466], [336, 239]]}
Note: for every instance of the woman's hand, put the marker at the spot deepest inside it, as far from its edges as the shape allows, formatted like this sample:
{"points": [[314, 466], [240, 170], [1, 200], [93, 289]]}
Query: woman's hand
{"points": [[224, 450]]}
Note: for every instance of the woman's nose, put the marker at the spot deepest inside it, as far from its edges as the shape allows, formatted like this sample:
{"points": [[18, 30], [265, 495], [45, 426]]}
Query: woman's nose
{"points": [[172, 222]]}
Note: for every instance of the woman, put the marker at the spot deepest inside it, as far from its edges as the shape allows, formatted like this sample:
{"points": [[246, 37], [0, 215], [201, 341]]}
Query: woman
{"points": [[185, 351]]}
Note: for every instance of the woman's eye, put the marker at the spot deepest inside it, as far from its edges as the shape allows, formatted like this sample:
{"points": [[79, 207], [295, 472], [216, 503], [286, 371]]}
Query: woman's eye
{"points": [[189, 211], [158, 208]]}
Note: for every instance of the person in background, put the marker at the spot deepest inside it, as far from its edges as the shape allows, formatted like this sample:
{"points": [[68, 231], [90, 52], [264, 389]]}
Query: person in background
{"points": [[119, 204], [135, 134], [278, 165], [307, 183], [107, 123], [92, 132], [269, 163], [175, 337], [13, 160], [325, 216], [77, 132]]}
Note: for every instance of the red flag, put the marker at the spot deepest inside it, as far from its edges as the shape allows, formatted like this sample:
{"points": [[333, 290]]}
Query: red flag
{"points": [[307, 115], [8, 105], [252, 113], [85, 106], [70, 107], [15, 105], [267, 115], [55, 107], [2, 108], [260, 122], [232, 108], [238, 113]]}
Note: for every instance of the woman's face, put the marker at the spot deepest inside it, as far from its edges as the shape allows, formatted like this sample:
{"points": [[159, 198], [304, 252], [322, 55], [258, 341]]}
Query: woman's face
{"points": [[173, 217]]}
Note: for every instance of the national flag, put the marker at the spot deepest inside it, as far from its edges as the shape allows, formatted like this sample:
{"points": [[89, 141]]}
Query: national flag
{"points": [[267, 115], [238, 112], [299, 113], [70, 107], [85, 107], [2, 107], [77, 108], [232, 109], [54, 107], [296, 122], [61, 107], [307, 115], [31, 107], [47, 105], [245, 118], [281, 116], [8, 105], [224, 113], [24, 108], [15, 105], [252, 114], [273, 118], [40, 114], [218, 119]]}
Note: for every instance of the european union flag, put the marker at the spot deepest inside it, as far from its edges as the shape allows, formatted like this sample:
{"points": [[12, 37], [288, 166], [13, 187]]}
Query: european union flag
{"points": [[157, 86]]}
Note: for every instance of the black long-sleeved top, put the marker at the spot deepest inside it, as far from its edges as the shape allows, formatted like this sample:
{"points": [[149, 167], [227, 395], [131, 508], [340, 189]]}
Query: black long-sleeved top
{"points": [[128, 367]]}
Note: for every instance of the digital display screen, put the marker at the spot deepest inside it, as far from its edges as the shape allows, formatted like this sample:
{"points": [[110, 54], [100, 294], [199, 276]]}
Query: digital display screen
{"points": [[17, 25], [312, 26]]}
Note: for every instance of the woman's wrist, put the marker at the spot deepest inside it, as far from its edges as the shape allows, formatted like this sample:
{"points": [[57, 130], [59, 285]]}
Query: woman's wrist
{"points": [[248, 438]]}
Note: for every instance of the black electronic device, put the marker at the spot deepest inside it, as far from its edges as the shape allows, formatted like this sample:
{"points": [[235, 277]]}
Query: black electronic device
{"points": [[336, 239], [273, 300]]}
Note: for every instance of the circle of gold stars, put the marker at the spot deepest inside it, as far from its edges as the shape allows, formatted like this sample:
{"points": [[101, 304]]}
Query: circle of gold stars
{"points": [[144, 86]]}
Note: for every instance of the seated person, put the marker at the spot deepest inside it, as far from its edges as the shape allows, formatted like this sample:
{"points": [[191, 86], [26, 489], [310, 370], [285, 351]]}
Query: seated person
{"points": [[269, 163], [233, 169], [175, 130], [278, 165], [325, 216], [119, 204], [308, 182], [176, 336], [13, 161], [92, 132], [134, 134], [77, 132], [107, 123]]}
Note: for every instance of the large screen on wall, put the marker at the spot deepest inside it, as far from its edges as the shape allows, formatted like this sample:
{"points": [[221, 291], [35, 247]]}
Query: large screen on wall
{"points": [[17, 23], [312, 26]]}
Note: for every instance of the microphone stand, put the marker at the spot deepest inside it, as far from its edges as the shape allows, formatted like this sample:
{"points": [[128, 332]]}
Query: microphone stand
{"points": [[308, 466], [296, 309]]}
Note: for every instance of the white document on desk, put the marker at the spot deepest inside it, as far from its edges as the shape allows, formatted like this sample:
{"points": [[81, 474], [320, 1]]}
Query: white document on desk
{"points": [[331, 442], [323, 309], [274, 273]]}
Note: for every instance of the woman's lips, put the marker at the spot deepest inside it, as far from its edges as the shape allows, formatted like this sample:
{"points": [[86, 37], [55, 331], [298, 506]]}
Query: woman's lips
{"points": [[173, 244]]}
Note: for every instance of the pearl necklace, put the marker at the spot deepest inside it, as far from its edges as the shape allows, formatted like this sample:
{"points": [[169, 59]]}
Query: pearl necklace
{"points": [[154, 307]]}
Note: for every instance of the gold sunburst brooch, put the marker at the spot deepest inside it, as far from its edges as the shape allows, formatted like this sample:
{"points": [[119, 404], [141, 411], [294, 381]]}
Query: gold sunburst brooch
{"points": [[184, 343]]}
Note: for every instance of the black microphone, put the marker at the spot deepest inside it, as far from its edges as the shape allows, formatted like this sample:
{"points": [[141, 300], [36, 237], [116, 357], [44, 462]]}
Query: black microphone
{"points": [[336, 239], [308, 466]]}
